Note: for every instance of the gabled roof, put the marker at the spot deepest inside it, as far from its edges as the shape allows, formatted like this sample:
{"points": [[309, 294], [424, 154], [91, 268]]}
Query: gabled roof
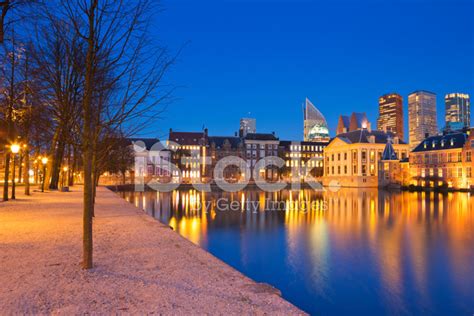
{"points": [[358, 120], [260, 136], [362, 136], [389, 153], [187, 138], [219, 141], [440, 142], [345, 120]]}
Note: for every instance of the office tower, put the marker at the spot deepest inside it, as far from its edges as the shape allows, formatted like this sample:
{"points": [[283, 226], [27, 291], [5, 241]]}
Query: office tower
{"points": [[421, 116], [248, 126], [315, 125], [391, 114], [458, 111]]}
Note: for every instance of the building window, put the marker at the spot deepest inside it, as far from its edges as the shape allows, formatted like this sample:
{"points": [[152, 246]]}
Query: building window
{"points": [[338, 169], [345, 156], [468, 172], [364, 170], [459, 156], [468, 156], [364, 156], [345, 169], [354, 169], [332, 169], [332, 157], [338, 157], [459, 172]]}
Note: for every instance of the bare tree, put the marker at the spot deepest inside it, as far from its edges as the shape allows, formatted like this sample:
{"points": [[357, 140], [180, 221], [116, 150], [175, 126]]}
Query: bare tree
{"points": [[123, 82]]}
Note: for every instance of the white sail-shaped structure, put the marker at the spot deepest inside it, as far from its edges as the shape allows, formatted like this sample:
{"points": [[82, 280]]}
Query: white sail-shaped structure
{"points": [[315, 125]]}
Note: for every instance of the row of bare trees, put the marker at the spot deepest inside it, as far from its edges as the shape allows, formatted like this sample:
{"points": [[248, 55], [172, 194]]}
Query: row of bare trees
{"points": [[78, 77]]}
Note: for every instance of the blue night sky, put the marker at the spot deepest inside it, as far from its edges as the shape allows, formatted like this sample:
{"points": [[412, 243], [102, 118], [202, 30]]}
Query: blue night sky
{"points": [[265, 57]]}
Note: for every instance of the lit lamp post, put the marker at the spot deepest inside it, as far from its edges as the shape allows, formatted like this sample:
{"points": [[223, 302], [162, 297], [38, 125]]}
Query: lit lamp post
{"points": [[65, 177], [44, 161], [15, 148]]}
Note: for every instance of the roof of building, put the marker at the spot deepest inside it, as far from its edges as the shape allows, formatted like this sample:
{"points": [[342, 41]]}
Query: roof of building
{"points": [[260, 136], [359, 119], [187, 138], [148, 143], [389, 153], [219, 141], [440, 142], [423, 91], [346, 121], [362, 136]]}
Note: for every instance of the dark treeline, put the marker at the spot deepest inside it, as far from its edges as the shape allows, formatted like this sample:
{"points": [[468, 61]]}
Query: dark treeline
{"points": [[77, 77]]}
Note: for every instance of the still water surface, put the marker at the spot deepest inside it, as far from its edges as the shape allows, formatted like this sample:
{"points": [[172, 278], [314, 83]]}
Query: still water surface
{"points": [[349, 252]]}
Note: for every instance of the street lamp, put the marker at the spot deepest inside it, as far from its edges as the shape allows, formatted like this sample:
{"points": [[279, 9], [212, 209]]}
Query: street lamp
{"points": [[15, 148], [44, 161], [65, 178]]}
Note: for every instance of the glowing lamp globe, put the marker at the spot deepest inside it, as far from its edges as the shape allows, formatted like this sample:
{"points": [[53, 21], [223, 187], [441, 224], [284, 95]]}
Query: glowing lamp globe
{"points": [[15, 148]]}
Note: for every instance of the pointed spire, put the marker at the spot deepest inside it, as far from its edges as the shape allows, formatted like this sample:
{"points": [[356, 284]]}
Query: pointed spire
{"points": [[389, 153]]}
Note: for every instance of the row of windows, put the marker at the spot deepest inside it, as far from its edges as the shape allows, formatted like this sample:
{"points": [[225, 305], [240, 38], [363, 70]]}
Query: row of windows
{"points": [[442, 157], [262, 146], [372, 153], [445, 172], [306, 148], [311, 163], [344, 170]]}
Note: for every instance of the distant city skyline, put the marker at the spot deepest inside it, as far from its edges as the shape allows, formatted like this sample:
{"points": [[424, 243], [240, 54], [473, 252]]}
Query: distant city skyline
{"points": [[265, 57]]}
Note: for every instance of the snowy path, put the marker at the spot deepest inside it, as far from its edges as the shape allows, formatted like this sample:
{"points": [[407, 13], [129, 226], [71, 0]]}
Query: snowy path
{"points": [[141, 266]]}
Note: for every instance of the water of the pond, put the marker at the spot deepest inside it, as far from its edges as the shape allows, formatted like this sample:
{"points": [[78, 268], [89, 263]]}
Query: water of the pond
{"points": [[346, 252]]}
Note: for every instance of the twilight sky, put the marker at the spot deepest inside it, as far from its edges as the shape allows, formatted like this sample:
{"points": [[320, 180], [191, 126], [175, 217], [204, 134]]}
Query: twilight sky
{"points": [[266, 56]]}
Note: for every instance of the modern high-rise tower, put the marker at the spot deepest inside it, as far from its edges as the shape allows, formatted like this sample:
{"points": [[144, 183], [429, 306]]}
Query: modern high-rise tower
{"points": [[421, 116], [458, 111], [391, 114], [315, 125]]}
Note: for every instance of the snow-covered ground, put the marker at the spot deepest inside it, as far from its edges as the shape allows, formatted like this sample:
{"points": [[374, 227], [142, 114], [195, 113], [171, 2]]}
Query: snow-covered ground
{"points": [[141, 265]]}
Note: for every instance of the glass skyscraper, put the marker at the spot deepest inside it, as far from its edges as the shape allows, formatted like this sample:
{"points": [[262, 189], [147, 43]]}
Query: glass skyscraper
{"points": [[458, 111], [391, 114], [315, 125], [421, 116]]}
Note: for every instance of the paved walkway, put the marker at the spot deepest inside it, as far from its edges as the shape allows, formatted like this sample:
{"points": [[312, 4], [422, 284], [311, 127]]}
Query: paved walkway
{"points": [[141, 266]]}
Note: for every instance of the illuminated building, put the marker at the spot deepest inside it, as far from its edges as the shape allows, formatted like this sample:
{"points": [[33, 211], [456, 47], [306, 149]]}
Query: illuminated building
{"points": [[257, 147], [443, 161], [458, 111], [392, 172], [188, 151], [351, 159], [223, 146], [302, 158], [421, 117], [315, 125], [391, 114]]}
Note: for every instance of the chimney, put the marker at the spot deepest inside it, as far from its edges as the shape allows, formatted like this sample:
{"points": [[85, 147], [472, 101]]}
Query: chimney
{"points": [[235, 134], [427, 135], [273, 133]]}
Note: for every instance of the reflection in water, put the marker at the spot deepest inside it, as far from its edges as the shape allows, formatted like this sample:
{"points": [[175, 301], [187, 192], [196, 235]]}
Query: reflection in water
{"points": [[345, 252]]}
